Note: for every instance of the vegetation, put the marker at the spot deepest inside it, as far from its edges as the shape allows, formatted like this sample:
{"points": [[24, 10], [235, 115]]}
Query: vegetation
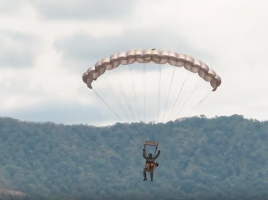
{"points": [[218, 158]]}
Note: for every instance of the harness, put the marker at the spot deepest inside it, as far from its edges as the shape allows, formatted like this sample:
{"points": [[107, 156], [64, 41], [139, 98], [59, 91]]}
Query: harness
{"points": [[151, 143], [150, 164]]}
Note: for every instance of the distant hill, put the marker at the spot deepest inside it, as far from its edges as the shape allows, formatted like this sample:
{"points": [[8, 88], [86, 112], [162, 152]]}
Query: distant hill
{"points": [[218, 158]]}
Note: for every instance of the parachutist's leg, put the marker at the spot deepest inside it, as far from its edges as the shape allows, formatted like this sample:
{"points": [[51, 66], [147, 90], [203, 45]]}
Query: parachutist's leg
{"points": [[152, 174], [144, 174]]}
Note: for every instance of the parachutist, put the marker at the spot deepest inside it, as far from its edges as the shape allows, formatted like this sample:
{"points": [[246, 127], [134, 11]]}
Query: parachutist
{"points": [[150, 164]]}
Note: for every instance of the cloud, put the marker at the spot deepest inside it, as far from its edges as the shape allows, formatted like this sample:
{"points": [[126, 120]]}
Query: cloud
{"points": [[46, 46], [84, 9], [86, 50], [8, 7], [59, 112], [17, 50]]}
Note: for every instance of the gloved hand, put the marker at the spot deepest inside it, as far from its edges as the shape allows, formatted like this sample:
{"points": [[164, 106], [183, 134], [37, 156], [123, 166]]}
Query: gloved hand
{"points": [[143, 150], [158, 151]]}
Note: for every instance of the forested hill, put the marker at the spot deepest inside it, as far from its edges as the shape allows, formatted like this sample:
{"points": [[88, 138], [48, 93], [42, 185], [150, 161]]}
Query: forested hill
{"points": [[219, 158]]}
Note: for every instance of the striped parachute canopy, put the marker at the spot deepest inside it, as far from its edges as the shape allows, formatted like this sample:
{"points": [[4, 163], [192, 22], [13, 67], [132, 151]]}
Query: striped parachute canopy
{"points": [[157, 57]]}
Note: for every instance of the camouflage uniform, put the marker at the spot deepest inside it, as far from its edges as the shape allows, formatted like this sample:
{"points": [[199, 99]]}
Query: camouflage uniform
{"points": [[149, 159]]}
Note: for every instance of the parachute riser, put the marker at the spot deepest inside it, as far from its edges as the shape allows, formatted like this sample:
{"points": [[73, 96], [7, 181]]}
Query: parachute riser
{"points": [[155, 151], [151, 143]]}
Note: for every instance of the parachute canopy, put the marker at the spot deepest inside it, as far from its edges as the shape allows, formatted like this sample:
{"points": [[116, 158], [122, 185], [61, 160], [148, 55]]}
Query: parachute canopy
{"points": [[156, 56]]}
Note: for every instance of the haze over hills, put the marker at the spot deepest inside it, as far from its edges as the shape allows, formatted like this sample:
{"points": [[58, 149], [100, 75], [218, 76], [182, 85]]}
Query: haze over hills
{"points": [[222, 157]]}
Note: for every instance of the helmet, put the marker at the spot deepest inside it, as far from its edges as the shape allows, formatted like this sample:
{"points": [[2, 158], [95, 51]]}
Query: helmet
{"points": [[150, 155]]}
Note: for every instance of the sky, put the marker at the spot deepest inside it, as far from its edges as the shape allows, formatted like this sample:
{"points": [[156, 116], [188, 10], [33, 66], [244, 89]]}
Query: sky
{"points": [[47, 45]]}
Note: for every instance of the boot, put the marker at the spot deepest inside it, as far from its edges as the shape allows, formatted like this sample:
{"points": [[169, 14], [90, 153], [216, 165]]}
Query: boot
{"points": [[144, 175], [152, 176]]}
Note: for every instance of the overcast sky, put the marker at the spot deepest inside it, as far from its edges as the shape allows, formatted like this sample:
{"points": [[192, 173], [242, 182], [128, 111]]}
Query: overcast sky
{"points": [[47, 45]]}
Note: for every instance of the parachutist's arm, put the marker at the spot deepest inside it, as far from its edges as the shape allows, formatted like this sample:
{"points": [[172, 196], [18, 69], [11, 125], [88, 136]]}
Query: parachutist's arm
{"points": [[143, 154], [157, 155]]}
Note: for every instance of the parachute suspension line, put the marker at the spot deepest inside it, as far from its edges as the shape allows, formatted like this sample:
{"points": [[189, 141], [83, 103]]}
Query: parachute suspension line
{"points": [[201, 101], [133, 87], [159, 90], [107, 105], [124, 96], [123, 92], [170, 115], [129, 104], [114, 96], [181, 108], [169, 92], [144, 91]]}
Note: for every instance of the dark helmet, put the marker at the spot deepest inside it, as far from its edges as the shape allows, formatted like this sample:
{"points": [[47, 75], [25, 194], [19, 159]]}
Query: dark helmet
{"points": [[150, 155]]}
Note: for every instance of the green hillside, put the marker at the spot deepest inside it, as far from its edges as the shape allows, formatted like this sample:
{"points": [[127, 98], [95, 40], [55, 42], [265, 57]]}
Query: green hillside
{"points": [[219, 158]]}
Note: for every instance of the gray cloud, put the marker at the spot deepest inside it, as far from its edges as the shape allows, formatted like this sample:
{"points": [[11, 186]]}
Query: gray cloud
{"points": [[17, 49], [86, 50], [223, 41], [84, 9], [8, 7], [72, 113]]}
